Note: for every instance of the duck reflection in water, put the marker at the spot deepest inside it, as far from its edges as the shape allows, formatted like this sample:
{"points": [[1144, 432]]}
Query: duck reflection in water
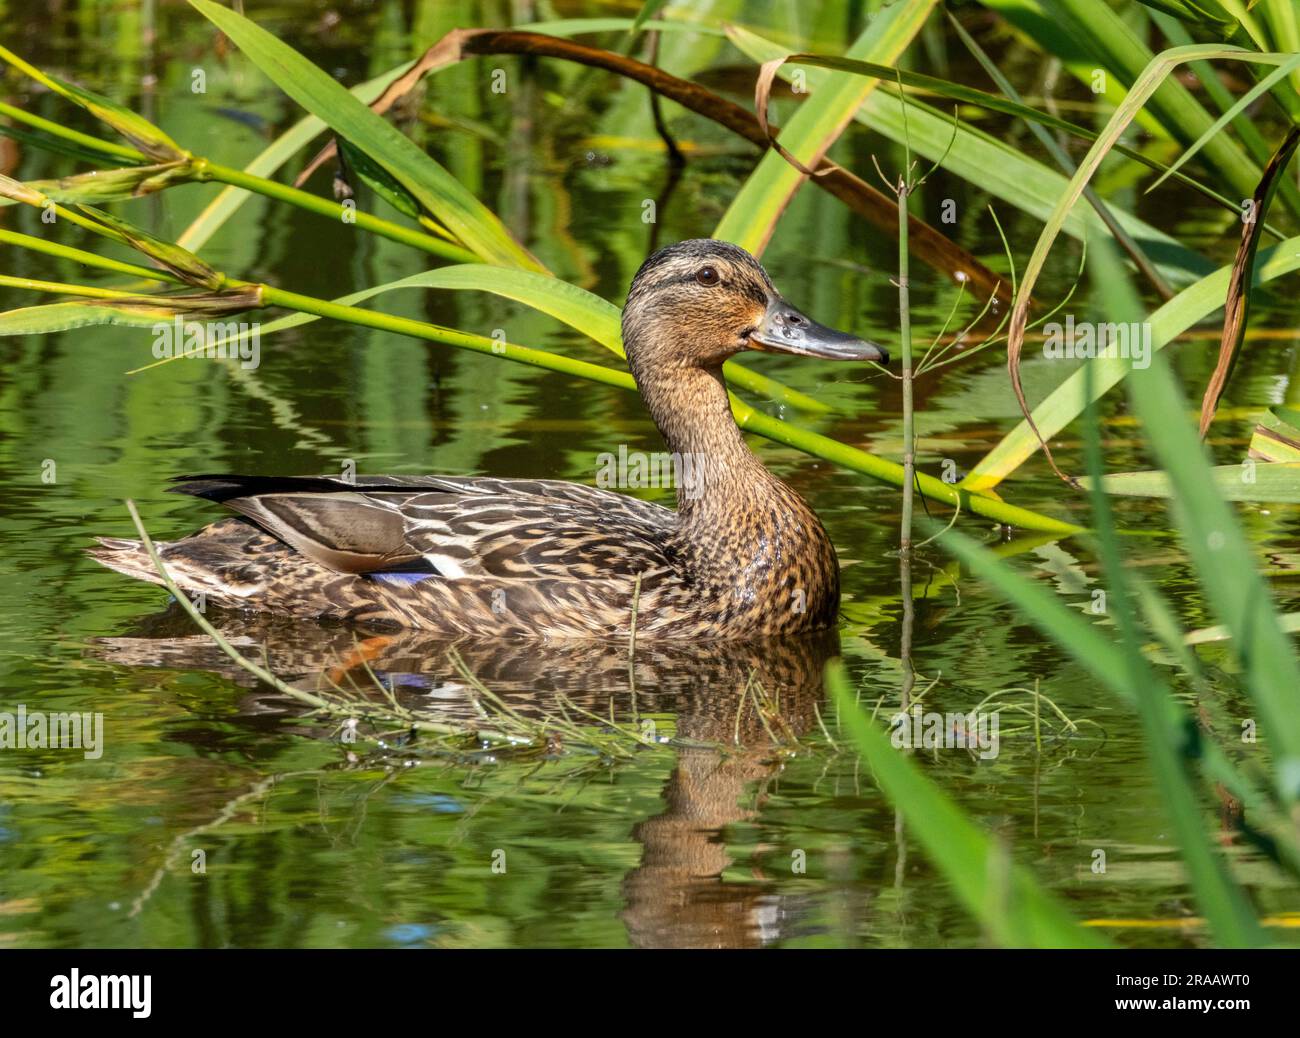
{"points": [[729, 738]]}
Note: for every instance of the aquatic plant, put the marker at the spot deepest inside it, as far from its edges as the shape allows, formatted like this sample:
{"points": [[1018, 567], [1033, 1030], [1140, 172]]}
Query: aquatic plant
{"points": [[1236, 151]]}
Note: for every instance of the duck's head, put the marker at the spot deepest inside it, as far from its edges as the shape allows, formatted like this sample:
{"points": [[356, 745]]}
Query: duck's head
{"points": [[699, 302]]}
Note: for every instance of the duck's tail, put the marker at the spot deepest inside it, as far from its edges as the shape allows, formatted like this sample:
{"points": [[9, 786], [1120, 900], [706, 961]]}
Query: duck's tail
{"points": [[129, 558], [231, 560]]}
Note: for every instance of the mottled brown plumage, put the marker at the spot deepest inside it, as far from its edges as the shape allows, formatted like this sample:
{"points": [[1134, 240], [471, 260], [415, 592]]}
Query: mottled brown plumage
{"points": [[742, 556]]}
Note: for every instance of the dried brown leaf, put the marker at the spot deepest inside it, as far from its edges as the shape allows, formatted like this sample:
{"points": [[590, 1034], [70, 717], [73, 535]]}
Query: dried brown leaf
{"points": [[1236, 306]]}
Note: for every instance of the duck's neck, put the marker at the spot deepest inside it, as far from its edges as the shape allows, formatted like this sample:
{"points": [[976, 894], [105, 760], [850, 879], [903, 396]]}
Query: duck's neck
{"points": [[715, 467], [746, 544]]}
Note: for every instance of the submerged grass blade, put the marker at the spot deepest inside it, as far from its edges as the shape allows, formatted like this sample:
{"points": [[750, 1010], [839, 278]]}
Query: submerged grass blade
{"points": [[1004, 897]]}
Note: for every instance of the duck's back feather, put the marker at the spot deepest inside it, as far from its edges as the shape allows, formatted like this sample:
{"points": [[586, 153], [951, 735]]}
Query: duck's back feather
{"points": [[445, 554], [457, 527]]}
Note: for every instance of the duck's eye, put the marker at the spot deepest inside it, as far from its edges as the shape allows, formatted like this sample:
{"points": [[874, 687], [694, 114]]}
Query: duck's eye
{"points": [[707, 276]]}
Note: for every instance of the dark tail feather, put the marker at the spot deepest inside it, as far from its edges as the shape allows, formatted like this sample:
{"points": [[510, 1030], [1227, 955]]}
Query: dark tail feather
{"points": [[216, 560], [225, 487], [222, 488], [126, 557]]}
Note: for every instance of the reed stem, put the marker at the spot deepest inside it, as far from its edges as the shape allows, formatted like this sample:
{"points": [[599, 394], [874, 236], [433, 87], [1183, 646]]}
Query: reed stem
{"points": [[903, 189]]}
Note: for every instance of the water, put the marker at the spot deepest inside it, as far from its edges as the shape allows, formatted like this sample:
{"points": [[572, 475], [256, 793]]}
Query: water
{"points": [[305, 840]]}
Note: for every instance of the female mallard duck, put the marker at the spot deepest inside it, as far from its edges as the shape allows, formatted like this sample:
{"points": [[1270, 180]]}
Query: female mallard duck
{"points": [[743, 555]]}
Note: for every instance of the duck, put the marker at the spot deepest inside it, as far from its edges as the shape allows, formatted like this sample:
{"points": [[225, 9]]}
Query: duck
{"points": [[741, 556]]}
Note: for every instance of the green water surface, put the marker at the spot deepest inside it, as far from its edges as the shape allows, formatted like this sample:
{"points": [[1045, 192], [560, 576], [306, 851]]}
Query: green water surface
{"points": [[307, 841]]}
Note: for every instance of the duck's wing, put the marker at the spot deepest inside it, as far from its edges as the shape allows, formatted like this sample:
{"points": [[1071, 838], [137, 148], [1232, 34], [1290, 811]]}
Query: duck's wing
{"points": [[235, 563], [225, 487], [455, 527]]}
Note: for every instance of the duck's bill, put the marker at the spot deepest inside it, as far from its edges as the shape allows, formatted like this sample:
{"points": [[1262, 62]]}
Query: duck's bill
{"points": [[785, 330]]}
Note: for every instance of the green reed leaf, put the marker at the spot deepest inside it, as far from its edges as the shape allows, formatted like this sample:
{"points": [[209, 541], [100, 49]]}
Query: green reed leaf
{"points": [[449, 201], [1274, 483], [751, 218], [1067, 401], [141, 133]]}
